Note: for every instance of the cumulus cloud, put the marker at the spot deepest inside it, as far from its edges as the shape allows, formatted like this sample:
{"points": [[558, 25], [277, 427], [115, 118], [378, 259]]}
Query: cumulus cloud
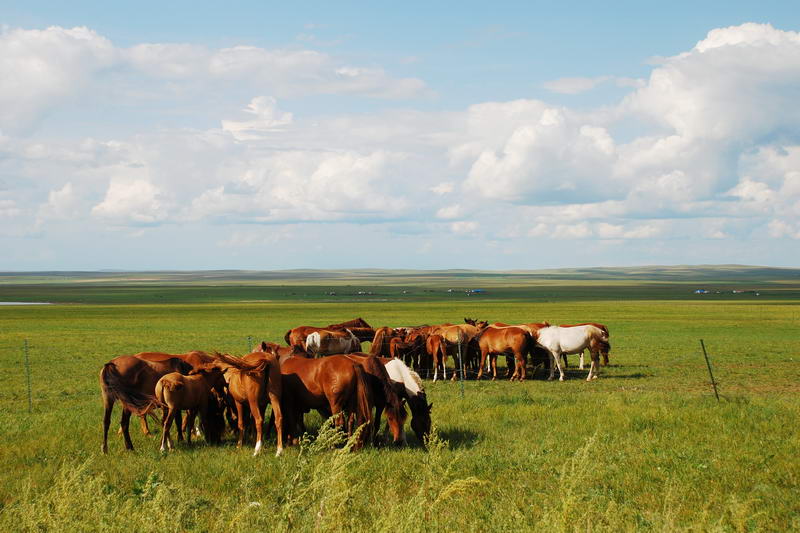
{"points": [[41, 69], [136, 202]]}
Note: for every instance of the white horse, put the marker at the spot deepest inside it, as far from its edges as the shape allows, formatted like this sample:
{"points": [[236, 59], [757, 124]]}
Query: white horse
{"points": [[560, 341], [328, 342], [415, 394]]}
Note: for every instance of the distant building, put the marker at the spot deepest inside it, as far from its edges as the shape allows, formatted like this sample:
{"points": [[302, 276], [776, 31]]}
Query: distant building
{"points": [[701, 291]]}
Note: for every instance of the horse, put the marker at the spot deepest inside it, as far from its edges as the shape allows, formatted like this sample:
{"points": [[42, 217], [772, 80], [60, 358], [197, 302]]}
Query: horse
{"points": [[381, 341], [452, 336], [196, 359], [494, 341], [414, 394], [384, 396], [572, 340], [538, 355], [436, 347], [603, 352], [358, 326], [335, 386], [194, 392], [132, 381], [251, 380], [328, 342]]}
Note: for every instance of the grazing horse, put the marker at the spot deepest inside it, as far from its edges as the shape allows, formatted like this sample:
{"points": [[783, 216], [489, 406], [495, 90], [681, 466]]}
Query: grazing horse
{"points": [[335, 386], [329, 342], [603, 352], [414, 393], [194, 392], [251, 381], [358, 326], [494, 341], [384, 396], [572, 340], [132, 381]]}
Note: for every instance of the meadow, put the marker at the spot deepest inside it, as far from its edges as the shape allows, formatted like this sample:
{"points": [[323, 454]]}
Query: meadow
{"points": [[647, 447]]}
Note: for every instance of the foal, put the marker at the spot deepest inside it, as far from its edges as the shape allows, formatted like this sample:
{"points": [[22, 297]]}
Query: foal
{"points": [[175, 391]]}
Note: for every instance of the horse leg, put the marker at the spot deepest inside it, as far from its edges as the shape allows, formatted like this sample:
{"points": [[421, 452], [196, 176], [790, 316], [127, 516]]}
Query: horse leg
{"points": [[190, 423], [240, 422], [179, 424], [580, 367], [376, 430], [493, 362], [594, 369], [518, 356], [255, 412], [169, 415], [125, 423], [552, 365], [143, 423], [480, 368], [277, 415], [108, 406], [560, 370], [435, 366]]}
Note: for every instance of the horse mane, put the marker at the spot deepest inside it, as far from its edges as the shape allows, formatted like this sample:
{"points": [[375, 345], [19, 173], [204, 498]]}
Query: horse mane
{"points": [[417, 379]]}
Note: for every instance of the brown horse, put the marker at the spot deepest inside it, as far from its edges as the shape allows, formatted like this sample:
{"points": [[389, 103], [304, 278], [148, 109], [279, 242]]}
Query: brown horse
{"points": [[335, 386], [132, 381], [195, 358], [194, 392], [494, 341], [384, 396], [251, 380], [358, 326], [452, 337], [329, 342], [381, 341]]}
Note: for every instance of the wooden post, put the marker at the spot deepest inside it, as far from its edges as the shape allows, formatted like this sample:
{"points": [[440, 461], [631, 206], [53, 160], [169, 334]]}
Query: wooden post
{"points": [[249, 343], [460, 362], [28, 376], [708, 364]]}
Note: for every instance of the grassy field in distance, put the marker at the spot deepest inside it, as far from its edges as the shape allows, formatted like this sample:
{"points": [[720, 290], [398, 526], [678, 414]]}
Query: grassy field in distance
{"points": [[645, 447]]}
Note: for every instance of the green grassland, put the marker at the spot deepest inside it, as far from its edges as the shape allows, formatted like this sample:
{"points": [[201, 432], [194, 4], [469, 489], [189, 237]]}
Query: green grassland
{"points": [[645, 447]]}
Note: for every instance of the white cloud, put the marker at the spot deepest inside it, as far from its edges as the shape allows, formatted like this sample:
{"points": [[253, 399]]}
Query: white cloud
{"points": [[40, 69], [267, 119], [136, 202]]}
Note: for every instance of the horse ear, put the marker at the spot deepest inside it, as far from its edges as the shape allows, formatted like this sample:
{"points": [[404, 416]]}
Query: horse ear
{"points": [[263, 346]]}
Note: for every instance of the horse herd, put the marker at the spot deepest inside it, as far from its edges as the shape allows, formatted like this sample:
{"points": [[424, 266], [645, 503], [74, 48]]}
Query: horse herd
{"points": [[353, 387]]}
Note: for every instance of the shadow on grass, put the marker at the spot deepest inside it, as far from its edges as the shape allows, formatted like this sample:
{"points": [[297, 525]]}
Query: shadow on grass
{"points": [[635, 375], [459, 438]]}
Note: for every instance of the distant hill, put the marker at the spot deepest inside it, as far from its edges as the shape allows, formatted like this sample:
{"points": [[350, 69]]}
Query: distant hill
{"points": [[681, 273]]}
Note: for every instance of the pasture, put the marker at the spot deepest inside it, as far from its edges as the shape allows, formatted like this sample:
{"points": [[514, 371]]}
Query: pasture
{"points": [[645, 447]]}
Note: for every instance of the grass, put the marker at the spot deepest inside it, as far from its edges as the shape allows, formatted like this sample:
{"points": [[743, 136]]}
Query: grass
{"points": [[646, 447]]}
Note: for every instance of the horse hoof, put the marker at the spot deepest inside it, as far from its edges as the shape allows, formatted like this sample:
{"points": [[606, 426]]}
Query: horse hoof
{"points": [[279, 452]]}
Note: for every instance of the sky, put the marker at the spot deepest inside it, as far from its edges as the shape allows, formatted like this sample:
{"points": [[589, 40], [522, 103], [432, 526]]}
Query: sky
{"points": [[503, 135]]}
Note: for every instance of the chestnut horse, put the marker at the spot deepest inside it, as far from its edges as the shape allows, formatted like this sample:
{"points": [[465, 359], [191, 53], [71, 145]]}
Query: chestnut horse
{"points": [[381, 342], [494, 341], [195, 358], [132, 381], [194, 392], [329, 342], [335, 386], [384, 396], [251, 380], [358, 326]]}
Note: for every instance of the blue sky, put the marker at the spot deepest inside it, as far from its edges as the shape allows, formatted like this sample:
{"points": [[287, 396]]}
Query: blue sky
{"points": [[504, 136]]}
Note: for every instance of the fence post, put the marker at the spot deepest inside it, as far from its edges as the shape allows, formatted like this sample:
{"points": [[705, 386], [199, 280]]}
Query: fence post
{"points": [[28, 376], [460, 362], [708, 364], [249, 343]]}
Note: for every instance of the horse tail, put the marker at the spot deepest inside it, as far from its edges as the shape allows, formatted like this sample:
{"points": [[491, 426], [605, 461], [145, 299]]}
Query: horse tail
{"points": [[363, 401], [287, 338], [133, 400], [239, 364]]}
